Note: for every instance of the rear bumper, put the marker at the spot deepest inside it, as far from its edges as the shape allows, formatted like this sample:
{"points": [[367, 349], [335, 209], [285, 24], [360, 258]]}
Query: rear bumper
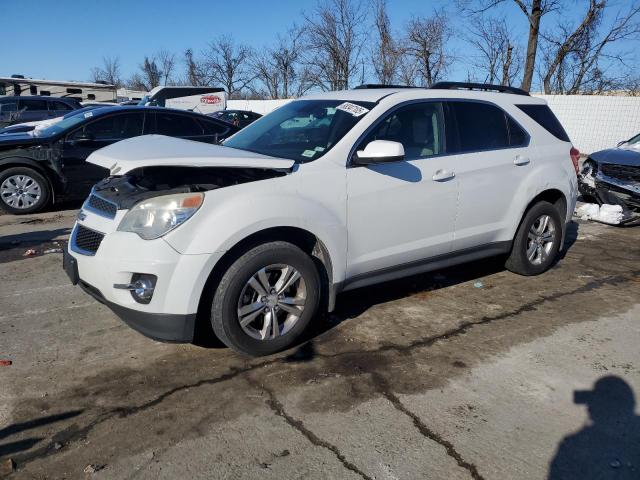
{"points": [[164, 327]]}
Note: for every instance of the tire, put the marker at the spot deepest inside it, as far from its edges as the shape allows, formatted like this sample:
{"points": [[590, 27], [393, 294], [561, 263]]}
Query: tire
{"points": [[530, 253], [23, 190], [250, 330]]}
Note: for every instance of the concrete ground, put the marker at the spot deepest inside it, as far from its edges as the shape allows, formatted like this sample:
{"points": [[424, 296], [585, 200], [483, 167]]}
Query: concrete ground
{"points": [[466, 373]]}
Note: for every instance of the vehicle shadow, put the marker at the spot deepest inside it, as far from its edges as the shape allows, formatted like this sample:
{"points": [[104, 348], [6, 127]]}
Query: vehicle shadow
{"points": [[609, 447], [29, 244]]}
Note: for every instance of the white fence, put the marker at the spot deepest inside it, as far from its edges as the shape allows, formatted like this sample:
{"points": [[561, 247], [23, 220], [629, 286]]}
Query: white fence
{"points": [[596, 122], [592, 122]]}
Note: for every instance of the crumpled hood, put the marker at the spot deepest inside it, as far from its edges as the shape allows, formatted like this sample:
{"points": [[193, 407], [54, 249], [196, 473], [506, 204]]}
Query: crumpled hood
{"points": [[160, 150], [618, 156]]}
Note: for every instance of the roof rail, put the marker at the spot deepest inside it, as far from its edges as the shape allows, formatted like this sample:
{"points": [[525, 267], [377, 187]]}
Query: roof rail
{"points": [[367, 86], [478, 86]]}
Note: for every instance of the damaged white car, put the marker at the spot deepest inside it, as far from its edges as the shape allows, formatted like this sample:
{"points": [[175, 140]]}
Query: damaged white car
{"points": [[332, 192]]}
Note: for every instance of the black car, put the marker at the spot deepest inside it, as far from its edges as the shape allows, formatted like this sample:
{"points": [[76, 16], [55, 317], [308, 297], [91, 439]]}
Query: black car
{"points": [[239, 118], [47, 165], [612, 176], [33, 108]]}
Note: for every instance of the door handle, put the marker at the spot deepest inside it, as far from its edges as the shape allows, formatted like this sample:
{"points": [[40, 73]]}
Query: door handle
{"points": [[442, 175], [520, 160]]}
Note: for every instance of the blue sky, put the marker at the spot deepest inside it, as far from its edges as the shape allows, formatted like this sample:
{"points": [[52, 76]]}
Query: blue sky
{"points": [[64, 42]]}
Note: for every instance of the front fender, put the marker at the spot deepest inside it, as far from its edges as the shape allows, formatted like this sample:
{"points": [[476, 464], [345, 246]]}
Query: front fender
{"points": [[232, 214]]}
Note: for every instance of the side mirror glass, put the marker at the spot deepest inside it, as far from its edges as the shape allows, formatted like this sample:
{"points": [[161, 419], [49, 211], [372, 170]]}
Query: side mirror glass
{"points": [[379, 151]]}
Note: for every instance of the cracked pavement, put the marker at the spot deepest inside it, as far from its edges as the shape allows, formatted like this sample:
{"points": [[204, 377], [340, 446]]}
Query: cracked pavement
{"points": [[427, 377]]}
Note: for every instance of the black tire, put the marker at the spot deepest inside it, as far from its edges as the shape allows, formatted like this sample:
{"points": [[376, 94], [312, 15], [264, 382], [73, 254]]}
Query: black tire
{"points": [[42, 200], [224, 311], [518, 261]]}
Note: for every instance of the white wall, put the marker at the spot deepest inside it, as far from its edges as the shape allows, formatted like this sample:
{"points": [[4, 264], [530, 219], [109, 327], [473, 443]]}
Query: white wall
{"points": [[592, 122], [596, 122]]}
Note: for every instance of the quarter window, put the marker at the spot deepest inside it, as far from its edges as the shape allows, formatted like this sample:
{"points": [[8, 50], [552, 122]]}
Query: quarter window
{"points": [[59, 106], [418, 127]]}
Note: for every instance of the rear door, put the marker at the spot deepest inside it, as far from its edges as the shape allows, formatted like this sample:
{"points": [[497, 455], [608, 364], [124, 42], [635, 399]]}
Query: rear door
{"points": [[491, 163], [91, 136], [58, 108]]}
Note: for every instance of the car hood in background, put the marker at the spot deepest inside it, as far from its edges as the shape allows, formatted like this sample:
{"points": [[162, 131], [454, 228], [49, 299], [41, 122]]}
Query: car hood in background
{"points": [[17, 139], [160, 150], [619, 156]]}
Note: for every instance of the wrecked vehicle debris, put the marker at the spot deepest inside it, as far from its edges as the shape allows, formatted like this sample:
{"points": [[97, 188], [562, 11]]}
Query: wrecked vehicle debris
{"points": [[612, 177]]}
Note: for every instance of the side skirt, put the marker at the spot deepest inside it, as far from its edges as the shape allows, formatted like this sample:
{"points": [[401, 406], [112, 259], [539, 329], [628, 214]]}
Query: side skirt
{"points": [[425, 265]]}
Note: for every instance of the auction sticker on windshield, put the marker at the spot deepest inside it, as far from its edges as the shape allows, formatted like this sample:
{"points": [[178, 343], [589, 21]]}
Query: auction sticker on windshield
{"points": [[352, 108]]}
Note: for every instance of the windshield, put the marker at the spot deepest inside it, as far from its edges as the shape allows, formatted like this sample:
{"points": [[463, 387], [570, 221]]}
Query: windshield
{"points": [[302, 130], [68, 121]]}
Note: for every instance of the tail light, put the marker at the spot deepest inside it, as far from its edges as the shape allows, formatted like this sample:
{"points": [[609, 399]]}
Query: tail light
{"points": [[574, 153]]}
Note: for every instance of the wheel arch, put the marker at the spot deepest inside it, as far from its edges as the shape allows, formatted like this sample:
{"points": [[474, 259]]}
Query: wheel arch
{"points": [[555, 197], [304, 239], [12, 162]]}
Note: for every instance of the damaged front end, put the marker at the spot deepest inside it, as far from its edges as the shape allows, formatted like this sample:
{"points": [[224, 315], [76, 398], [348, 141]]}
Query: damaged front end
{"points": [[124, 191], [612, 184]]}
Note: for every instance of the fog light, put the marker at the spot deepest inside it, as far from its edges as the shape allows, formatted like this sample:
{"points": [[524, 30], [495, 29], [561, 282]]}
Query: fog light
{"points": [[141, 287]]}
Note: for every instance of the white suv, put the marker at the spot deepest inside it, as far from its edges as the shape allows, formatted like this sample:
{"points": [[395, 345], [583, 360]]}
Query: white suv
{"points": [[328, 193]]}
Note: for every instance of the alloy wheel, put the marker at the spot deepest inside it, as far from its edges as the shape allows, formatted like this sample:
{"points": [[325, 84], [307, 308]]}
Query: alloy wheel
{"points": [[20, 191], [540, 239], [272, 301]]}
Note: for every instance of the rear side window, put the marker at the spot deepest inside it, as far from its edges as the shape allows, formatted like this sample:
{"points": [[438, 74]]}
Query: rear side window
{"points": [[177, 125], [543, 115], [59, 106], [480, 126]]}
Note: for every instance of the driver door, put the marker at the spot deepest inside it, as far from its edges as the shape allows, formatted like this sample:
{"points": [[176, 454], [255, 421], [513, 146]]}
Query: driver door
{"points": [[402, 213], [81, 143]]}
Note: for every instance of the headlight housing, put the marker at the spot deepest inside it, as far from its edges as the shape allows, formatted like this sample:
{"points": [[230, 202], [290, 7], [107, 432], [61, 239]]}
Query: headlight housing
{"points": [[155, 217]]}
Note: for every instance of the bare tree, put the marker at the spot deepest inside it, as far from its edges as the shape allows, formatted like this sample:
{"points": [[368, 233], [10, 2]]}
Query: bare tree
{"points": [[574, 56], [109, 71], [533, 10], [194, 74], [499, 57], [226, 63], [148, 77], [166, 63], [387, 53], [333, 39], [427, 45], [276, 69]]}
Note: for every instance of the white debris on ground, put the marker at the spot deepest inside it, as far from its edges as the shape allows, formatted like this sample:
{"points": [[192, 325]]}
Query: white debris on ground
{"points": [[611, 214]]}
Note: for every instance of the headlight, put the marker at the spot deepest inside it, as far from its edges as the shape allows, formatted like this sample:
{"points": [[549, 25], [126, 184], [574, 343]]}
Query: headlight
{"points": [[157, 216]]}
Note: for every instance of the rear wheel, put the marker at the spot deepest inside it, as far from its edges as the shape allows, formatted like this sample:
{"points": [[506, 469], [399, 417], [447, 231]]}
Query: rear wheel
{"points": [[23, 190], [266, 299], [537, 241]]}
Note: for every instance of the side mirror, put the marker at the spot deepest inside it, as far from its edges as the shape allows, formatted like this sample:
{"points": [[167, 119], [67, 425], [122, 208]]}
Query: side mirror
{"points": [[82, 137], [379, 151]]}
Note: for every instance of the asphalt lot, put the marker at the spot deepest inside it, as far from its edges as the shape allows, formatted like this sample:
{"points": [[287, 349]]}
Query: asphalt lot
{"points": [[465, 373]]}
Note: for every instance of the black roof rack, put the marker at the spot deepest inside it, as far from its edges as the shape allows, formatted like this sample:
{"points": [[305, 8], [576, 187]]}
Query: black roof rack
{"points": [[367, 86], [478, 86]]}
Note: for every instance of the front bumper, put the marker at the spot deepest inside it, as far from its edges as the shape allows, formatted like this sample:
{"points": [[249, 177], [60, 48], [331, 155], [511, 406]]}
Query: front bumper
{"points": [[159, 326], [171, 313]]}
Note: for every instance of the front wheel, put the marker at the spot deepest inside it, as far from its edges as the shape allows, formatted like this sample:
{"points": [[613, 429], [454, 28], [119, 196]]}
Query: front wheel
{"points": [[266, 299], [23, 190], [537, 241]]}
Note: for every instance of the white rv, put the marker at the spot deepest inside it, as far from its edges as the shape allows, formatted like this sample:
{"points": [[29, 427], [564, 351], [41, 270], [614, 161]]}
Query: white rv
{"points": [[81, 91], [198, 99]]}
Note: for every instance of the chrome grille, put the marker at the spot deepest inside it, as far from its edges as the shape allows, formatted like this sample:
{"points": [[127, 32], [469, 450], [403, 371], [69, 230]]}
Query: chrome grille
{"points": [[101, 206], [86, 241]]}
